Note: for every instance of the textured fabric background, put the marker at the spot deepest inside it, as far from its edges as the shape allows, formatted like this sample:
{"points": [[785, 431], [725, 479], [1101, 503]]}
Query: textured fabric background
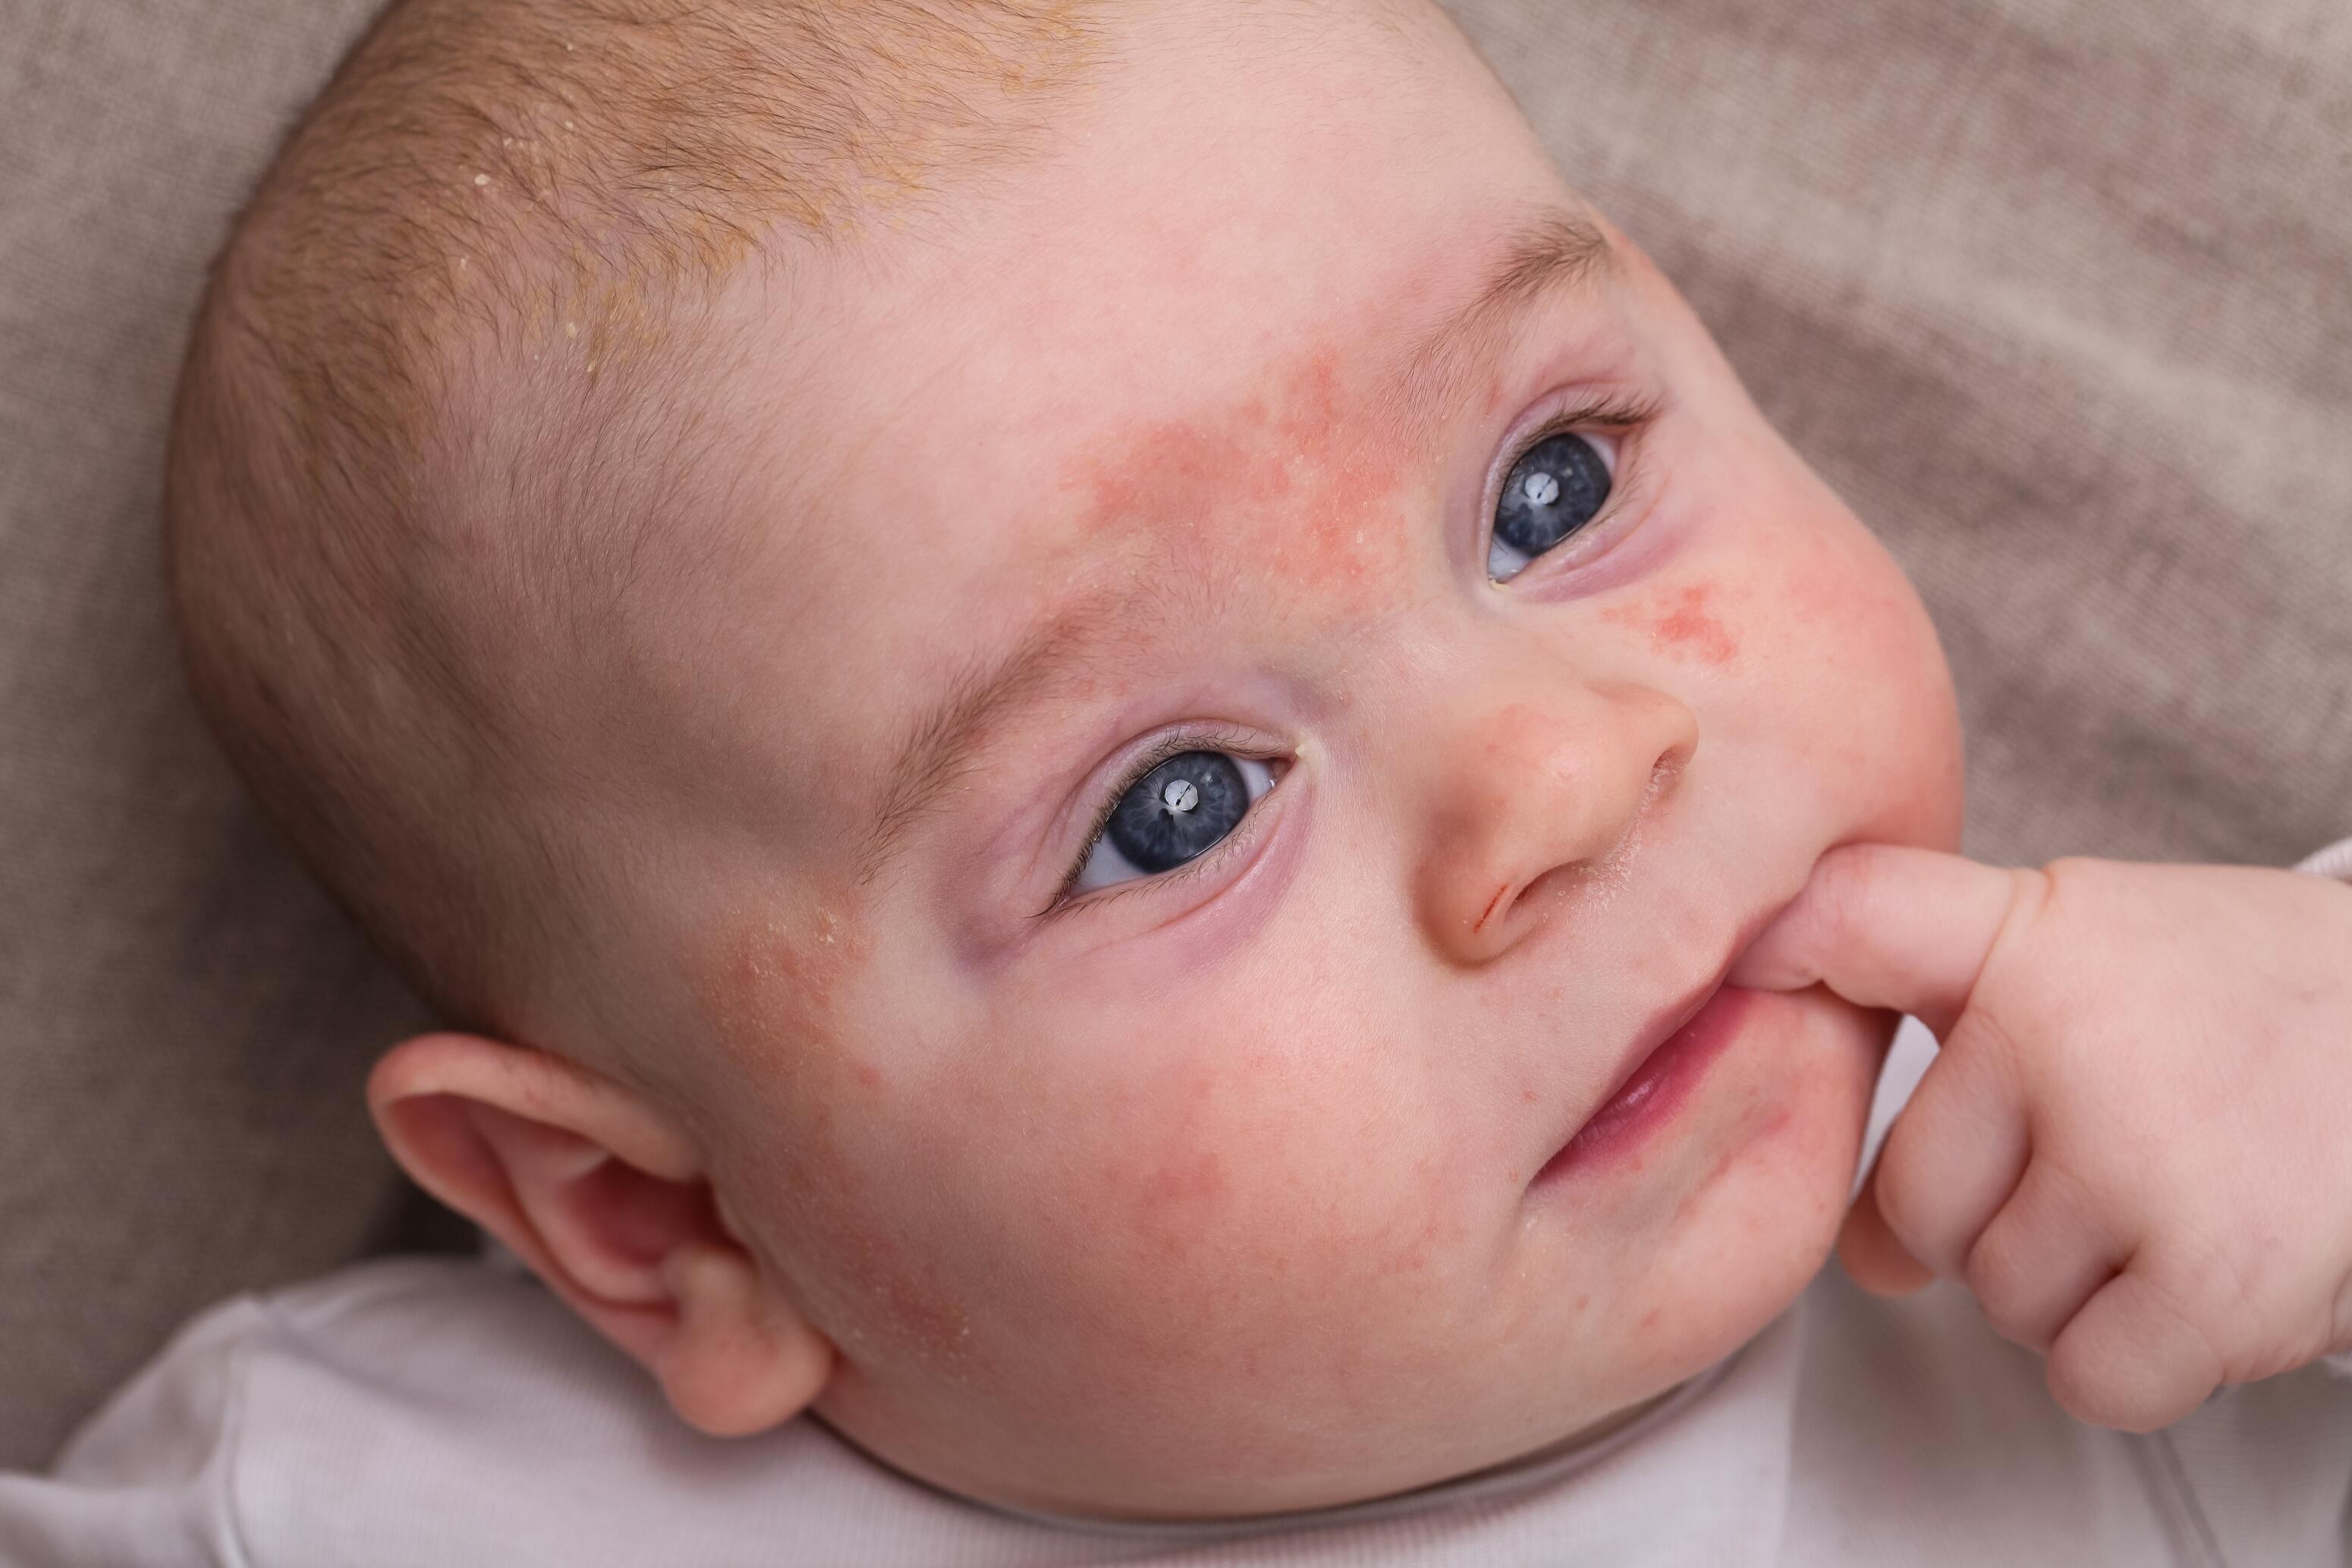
{"points": [[2059, 294]]}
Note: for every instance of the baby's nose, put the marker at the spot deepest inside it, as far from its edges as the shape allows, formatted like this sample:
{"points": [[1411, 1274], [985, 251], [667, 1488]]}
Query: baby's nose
{"points": [[1534, 793]]}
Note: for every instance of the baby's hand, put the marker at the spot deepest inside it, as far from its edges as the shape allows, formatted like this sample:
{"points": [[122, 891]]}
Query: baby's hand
{"points": [[2136, 1145]]}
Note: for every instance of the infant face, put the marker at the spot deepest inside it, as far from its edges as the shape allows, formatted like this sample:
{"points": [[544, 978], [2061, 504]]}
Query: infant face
{"points": [[1215, 880]]}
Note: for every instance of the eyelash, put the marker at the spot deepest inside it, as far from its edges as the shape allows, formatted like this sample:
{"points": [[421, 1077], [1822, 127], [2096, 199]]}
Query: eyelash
{"points": [[1619, 412], [1175, 743]]}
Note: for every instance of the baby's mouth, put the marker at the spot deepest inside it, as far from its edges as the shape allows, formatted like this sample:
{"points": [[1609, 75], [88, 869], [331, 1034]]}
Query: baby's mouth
{"points": [[1665, 1061], [1648, 1093]]}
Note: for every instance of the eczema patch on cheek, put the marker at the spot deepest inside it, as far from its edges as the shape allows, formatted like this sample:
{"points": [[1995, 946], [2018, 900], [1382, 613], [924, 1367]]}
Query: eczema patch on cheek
{"points": [[773, 987], [1682, 623]]}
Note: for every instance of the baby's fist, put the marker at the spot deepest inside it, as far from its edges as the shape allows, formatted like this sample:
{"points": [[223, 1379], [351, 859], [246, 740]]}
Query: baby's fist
{"points": [[2135, 1143]]}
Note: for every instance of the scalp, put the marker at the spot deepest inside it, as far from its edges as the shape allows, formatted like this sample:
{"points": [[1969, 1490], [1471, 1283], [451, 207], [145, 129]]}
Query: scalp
{"points": [[520, 165], [455, 425]]}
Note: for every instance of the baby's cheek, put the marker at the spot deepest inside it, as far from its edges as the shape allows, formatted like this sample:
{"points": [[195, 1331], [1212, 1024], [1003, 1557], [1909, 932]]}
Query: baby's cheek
{"points": [[1845, 678], [1684, 621], [800, 1096], [1175, 1155], [1892, 700], [1228, 1211]]}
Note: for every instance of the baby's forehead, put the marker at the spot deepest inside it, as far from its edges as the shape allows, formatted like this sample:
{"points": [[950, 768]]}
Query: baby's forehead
{"points": [[1149, 380], [1009, 494]]}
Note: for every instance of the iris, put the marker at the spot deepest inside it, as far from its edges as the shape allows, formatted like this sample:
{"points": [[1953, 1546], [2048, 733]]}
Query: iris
{"points": [[1557, 487], [1178, 811]]}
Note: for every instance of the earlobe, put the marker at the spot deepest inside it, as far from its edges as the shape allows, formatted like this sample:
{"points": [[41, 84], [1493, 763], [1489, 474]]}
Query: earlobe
{"points": [[609, 1204], [737, 1363]]}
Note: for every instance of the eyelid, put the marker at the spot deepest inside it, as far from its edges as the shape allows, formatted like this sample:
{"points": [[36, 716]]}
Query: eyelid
{"points": [[1174, 742]]}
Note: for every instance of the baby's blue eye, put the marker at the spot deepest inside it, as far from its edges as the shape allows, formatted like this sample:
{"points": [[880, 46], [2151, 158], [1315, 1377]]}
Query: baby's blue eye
{"points": [[1557, 487], [1176, 812]]}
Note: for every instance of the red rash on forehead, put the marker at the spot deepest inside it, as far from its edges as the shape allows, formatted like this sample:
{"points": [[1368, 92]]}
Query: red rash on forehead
{"points": [[1683, 623], [1300, 485]]}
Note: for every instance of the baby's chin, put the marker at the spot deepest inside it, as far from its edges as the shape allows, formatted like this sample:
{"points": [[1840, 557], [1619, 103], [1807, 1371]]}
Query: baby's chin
{"points": [[1773, 1172], [1725, 1213]]}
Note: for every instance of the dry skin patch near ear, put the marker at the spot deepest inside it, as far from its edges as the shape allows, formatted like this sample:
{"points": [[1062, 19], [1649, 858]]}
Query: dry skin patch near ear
{"points": [[770, 989], [774, 990]]}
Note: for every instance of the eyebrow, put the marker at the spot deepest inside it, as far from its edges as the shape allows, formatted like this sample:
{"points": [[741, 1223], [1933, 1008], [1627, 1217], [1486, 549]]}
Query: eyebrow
{"points": [[939, 749], [1551, 250]]}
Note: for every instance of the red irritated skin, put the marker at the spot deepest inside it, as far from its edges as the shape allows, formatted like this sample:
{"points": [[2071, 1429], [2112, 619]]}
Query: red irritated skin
{"points": [[1323, 1166]]}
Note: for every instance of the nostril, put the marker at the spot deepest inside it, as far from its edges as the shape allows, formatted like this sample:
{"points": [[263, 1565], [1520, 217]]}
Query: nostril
{"points": [[1664, 772], [1500, 901]]}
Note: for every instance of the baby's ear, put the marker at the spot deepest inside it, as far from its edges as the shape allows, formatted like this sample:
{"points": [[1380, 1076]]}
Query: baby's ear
{"points": [[603, 1197]]}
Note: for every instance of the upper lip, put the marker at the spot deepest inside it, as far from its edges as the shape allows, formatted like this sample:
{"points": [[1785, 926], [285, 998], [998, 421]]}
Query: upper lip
{"points": [[1667, 1020], [1660, 1029]]}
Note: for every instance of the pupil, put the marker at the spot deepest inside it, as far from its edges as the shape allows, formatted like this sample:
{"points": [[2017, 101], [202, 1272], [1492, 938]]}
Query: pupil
{"points": [[1554, 489], [1178, 811]]}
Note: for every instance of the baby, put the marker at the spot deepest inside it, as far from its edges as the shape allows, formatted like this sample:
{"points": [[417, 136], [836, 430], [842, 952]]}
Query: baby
{"points": [[1141, 796]]}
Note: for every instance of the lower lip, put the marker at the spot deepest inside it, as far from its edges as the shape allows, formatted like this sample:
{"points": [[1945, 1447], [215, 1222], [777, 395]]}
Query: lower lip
{"points": [[1658, 1087]]}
